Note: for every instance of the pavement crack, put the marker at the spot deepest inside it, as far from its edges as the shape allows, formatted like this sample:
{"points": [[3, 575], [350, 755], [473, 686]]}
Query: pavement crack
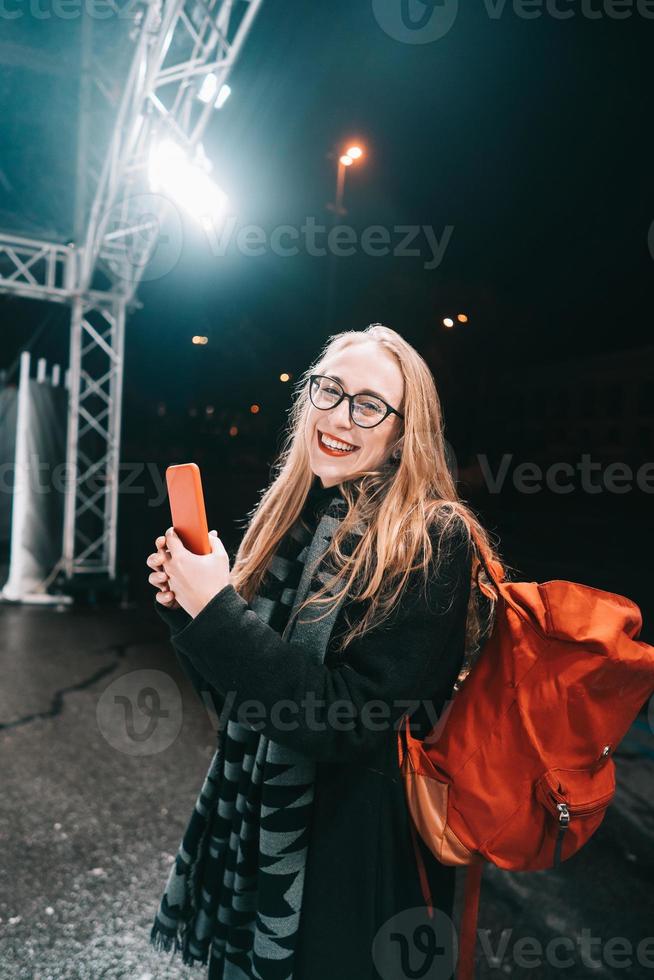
{"points": [[57, 702]]}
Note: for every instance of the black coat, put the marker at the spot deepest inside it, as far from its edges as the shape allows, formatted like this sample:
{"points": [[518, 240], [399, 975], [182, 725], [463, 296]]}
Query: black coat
{"points": [[361, 867]]}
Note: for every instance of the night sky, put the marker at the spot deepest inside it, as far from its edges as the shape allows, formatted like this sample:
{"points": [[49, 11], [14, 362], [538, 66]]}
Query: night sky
{"points": [[529, 137]]}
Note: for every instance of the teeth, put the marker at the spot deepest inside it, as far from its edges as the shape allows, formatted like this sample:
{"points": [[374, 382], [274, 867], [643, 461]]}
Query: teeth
{"points": [[333, 444]]}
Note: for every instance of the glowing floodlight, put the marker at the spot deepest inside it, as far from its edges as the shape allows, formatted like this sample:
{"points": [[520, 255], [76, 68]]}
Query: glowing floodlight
{"points": [[186, 181], [209, 88], [209, 91], [223, 95]]}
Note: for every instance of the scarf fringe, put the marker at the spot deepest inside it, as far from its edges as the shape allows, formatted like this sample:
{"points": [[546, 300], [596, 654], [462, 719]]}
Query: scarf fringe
{"points": [[178, 943]]}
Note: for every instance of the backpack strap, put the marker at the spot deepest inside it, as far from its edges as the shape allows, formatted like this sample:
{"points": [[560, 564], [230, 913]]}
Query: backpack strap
{"points": [[422, 872], [469, 916], [488, 567], [468, 930]]}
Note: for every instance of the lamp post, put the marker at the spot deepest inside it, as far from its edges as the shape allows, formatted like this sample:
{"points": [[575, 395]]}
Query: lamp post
{"points": [[345, 160]]}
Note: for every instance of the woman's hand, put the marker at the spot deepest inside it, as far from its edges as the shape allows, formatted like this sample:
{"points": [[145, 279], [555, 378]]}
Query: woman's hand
{"points": [[159, 578], [195, 579]]}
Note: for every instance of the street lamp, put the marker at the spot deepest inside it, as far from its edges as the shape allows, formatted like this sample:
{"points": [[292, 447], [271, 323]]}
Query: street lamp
{"points": [[352, 155], [345, 160]]}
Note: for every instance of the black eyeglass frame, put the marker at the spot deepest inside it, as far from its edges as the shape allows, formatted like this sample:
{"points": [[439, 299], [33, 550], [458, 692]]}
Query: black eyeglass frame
{"points": [[350, 398]]}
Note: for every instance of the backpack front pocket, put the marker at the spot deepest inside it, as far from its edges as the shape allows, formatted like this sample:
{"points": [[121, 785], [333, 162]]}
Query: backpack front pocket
{"points": [[578, 798]]}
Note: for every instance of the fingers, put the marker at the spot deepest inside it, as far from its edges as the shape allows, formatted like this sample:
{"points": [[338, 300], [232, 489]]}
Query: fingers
{"points": [[159, 577], [172, 540], [158, 557], [165, 545]]}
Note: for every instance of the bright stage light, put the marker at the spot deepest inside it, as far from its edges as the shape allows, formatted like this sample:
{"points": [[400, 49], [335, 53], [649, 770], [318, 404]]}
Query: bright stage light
{"points": [[186, 181], [355, 152], [223, 95], [209, 88], [209, 91]]}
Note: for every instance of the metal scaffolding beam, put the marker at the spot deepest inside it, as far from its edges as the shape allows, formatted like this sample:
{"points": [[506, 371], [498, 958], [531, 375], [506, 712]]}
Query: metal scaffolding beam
{"points": [[36, 270], [141, 75], [93, 438], [178, 46]]}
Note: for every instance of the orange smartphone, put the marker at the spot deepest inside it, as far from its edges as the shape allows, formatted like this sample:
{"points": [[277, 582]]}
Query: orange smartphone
{"points": [[187, 507]]}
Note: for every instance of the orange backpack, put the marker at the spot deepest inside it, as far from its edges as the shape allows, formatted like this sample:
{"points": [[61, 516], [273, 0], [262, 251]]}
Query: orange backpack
{"points": [[519, 769]]}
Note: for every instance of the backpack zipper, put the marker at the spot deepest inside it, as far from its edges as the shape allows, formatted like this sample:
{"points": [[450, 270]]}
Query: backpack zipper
{"points": [[578, 811], [564, 820]]}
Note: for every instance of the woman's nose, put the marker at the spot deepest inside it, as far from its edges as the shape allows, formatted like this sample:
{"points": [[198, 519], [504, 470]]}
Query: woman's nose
{"points": [[341, 414]]}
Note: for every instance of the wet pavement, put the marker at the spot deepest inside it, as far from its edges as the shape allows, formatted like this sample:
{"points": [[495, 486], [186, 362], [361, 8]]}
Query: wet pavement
{"points": [[93, 807]]}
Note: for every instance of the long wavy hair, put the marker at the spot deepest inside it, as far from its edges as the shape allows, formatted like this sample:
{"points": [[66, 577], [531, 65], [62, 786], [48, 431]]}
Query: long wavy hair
{"points": [[391, 509]]}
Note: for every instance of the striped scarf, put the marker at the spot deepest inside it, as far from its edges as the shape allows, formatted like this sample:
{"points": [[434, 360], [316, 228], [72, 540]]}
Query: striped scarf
{"points": [[233, 896]]}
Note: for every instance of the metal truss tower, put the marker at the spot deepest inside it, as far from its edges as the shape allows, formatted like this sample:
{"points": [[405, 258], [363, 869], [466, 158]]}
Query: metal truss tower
{"points": [[141, 73]]}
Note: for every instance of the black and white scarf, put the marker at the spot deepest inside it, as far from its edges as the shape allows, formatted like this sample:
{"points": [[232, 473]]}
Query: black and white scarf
{"points": [[233, 896]]}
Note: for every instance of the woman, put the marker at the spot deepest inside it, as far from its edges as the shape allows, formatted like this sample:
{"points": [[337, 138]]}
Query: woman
{"points": [[352, 601]]}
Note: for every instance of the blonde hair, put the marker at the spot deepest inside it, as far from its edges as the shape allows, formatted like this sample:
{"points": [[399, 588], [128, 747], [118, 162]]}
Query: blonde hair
{"points": [[393, 507]]}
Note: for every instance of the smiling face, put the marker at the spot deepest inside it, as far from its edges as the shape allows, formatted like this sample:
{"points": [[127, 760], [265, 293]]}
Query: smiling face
{"points": [[361, 367]]}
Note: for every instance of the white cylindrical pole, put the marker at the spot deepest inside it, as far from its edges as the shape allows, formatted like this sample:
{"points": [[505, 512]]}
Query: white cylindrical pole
{"points": [[14, 586]]}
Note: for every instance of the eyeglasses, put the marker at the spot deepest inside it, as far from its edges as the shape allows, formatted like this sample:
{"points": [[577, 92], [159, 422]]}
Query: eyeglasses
{"points": [[365, 410]]}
